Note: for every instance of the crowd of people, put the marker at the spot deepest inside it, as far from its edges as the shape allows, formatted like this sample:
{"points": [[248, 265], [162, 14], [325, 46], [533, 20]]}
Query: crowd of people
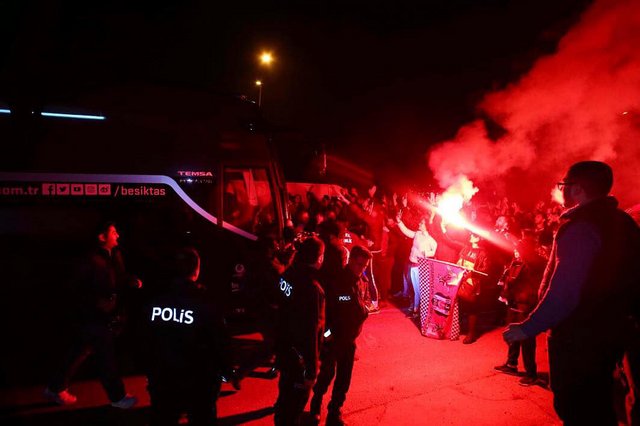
{"points": [[553, 268], [402, 228], [344, 256]]}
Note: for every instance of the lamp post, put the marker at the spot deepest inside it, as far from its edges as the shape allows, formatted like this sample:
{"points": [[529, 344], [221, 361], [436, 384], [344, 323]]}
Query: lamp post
{"points": [[265, 60], [259, 84]]}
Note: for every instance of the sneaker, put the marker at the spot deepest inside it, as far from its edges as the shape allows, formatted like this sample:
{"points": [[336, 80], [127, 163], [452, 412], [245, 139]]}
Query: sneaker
{"points": [[507, 369], [272, 373], [126, 402], [61, 398], [233, 378], [335, 419], [528, 380]]}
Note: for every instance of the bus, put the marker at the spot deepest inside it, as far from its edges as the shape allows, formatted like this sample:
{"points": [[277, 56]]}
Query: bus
{"points": [[171, 167]]}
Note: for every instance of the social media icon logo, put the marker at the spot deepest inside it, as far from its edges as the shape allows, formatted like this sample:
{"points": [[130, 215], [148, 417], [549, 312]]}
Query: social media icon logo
{"points": [[77, 189], [48, 189], [62, 189], [104, 189], [91, 189]]}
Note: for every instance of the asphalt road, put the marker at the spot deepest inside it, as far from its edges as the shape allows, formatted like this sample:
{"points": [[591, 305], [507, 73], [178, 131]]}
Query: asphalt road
{"points": [[400, 378]]}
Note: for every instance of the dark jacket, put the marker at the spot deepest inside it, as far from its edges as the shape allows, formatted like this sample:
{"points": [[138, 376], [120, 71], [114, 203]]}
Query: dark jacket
{"points": [[184, 334], [449, 243], [346, 311], [481, 259], [613, 284], [522, 279], [335, 257], [300, 318], [101, 282], [594, 297]]}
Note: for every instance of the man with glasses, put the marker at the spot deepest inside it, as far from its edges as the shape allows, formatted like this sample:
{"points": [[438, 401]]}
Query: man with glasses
{"points": [[588, 293]]}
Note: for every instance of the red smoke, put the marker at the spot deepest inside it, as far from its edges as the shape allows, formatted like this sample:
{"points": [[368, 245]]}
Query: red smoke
{"points": [[582, 102]]}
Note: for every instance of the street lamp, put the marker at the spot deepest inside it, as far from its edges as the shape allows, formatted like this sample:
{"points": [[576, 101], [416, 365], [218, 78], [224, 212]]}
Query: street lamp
{"points": [[259, 84], [266, 58]]}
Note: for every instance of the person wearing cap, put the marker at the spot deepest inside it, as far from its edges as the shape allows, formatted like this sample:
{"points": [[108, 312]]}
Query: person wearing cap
{"points": [[588, 293]]}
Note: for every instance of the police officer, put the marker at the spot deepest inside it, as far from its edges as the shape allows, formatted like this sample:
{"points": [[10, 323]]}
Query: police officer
{"points": [[346, 312], [187, 345], [300, 327]]}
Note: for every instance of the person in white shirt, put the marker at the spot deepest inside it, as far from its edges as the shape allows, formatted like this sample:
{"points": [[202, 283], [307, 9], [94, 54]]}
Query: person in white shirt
{"points": [[424, 246]]}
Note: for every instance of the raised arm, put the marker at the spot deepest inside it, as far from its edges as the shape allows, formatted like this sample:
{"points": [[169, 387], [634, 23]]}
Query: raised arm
{"points": [[406, 231]]}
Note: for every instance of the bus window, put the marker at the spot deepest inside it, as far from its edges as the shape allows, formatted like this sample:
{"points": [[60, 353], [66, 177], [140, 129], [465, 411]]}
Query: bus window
{"points": [[248, 202]]}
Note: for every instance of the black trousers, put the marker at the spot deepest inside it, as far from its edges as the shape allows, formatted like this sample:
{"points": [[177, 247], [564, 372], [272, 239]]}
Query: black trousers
{"points": [[336, 360], [292, 392], [581, 371], [528, 346], [172, 396], [97, 339]]}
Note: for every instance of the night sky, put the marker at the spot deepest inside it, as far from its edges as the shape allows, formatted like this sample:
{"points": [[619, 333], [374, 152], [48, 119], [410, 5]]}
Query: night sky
{"points": [[375, 82]]}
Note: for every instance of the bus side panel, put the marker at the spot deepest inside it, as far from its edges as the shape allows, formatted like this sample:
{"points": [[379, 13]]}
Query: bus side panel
{"points": [[43, 238]]}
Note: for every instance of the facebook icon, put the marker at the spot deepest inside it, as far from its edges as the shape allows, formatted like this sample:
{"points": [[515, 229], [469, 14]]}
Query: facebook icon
{"points": [[48, 189]]}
